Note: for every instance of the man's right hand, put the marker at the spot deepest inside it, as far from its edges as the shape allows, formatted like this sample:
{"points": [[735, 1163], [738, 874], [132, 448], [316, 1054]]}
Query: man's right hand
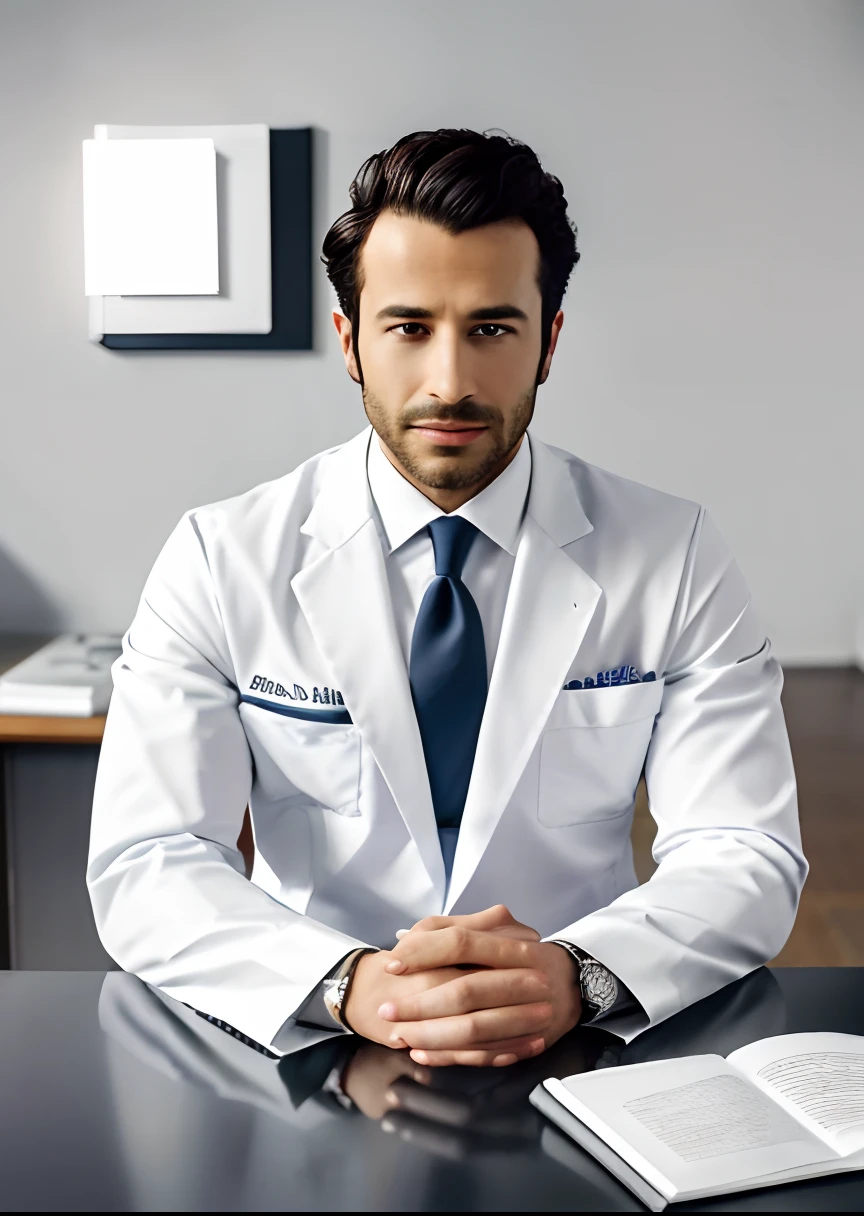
{"points": [[373, 986]]}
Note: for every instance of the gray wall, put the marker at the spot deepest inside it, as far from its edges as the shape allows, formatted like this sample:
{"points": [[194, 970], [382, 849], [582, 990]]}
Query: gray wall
{"points": [[711, 154]]}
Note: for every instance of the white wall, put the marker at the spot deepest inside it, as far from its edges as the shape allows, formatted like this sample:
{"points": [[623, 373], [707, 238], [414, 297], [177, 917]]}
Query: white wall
{"points": [[711, 154]]}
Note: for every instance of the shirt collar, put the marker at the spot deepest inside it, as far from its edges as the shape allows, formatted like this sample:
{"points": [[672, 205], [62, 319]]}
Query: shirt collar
{"points": [[497, 511]]}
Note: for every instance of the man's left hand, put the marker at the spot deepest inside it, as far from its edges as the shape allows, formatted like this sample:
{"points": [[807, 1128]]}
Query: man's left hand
{"points": [[522, 997]]}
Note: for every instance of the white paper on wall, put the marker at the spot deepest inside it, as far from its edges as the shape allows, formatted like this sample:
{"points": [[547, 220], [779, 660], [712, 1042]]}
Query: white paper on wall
{"points": [[150, 217]]}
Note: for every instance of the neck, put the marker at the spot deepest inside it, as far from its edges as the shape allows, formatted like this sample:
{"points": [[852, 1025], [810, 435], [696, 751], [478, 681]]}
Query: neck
{"points": [[450, 500]]}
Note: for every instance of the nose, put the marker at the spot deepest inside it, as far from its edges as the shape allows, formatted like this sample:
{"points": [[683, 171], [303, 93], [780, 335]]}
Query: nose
{"points": [[449, 373]]}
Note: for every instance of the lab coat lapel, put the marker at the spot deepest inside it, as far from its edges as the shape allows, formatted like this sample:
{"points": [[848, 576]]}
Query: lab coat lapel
{"points": [[550, 604], [344, 595]]}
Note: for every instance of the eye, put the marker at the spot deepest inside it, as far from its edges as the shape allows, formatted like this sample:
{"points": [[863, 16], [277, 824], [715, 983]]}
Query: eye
{"points": [[406, 325], [505, 329]]}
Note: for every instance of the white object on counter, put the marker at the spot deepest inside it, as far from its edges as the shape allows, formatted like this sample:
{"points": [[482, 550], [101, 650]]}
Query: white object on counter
{"points": [[70, 677]]}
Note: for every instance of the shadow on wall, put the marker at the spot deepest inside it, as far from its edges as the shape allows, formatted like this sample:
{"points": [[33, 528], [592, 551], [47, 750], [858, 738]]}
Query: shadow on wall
{"points": [[24, 607]]}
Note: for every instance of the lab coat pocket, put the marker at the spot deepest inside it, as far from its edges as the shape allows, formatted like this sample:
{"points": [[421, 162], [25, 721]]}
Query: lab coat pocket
{"points": [[592, 752], [318, 759]]}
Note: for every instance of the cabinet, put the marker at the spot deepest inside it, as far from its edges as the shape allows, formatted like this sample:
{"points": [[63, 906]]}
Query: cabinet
{"points": [[47, 775]]}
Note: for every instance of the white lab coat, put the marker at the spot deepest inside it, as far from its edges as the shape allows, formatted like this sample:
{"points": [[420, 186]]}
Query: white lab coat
{"points": [[282, 592]]}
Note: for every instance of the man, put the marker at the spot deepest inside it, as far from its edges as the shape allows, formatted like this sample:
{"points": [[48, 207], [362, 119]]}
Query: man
{"points": [[435, 661]]}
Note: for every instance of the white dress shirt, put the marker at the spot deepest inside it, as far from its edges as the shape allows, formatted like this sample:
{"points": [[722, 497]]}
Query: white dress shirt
{"points": [[402, 515]]}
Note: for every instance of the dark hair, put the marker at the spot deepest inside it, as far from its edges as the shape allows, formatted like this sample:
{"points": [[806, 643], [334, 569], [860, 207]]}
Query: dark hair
{"points": [[458, 179]]}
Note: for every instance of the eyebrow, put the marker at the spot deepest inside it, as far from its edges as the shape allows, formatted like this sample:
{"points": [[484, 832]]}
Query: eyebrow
{"points": [[495, 312]]}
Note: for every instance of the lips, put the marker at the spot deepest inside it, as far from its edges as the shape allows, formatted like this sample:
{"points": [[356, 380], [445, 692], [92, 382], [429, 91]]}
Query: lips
{"points": [[450, 434]]}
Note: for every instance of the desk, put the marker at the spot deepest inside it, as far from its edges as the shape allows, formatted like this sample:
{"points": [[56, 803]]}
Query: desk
{"points": [[47, 771], [116, 1098]]}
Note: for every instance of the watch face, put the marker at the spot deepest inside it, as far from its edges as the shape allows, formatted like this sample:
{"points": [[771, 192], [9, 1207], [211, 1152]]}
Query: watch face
{"points": [[334, 991], [599, 987]]}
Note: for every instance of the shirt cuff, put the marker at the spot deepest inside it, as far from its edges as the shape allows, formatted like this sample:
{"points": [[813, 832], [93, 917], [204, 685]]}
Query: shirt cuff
{"points": [[625, 1001]]}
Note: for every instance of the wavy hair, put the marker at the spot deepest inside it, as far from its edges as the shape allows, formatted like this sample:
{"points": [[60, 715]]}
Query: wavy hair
{"points": [[458, 179]]}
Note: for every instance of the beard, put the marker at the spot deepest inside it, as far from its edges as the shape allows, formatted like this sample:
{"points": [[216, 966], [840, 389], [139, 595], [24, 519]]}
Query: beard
{"points": [[454, 468]]}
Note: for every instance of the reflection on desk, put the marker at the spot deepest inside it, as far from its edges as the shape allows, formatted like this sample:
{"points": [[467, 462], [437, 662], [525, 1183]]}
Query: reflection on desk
{"points": [[453, 1114], [114, 1097]]}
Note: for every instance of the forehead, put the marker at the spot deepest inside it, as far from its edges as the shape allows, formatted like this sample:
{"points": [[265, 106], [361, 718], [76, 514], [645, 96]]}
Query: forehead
{"points": [[404, 254]]}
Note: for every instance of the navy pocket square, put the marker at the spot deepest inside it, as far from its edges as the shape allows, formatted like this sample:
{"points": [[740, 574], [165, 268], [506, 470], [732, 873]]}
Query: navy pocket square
{"points": [[613, 678]]}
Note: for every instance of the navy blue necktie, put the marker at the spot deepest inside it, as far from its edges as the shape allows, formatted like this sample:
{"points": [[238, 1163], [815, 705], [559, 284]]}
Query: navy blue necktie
{"points": [[447, 671]]}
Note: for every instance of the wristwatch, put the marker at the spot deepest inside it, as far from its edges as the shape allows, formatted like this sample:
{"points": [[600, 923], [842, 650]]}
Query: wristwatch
{"points": [[337, 985], [598, 985]]}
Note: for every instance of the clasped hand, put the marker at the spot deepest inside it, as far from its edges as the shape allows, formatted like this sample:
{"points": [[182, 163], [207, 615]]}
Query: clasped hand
{"points": [[478, 990]]}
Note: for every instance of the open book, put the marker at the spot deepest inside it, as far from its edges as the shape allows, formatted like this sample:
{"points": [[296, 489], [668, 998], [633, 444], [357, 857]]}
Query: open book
{"points": [[777, 1110]]}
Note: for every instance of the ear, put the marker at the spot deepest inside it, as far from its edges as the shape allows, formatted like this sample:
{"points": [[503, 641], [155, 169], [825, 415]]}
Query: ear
{"points": [[553, 341], [344, 330]]}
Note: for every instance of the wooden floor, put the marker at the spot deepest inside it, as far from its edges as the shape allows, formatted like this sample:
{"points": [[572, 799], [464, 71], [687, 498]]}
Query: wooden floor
{"points": [[824, 710]]}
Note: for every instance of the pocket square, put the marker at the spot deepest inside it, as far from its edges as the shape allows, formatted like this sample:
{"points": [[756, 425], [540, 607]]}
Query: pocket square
{"points": [[612, 678]]}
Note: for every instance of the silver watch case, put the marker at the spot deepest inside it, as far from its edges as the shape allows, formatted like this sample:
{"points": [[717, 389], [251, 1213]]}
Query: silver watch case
{"points": [[599, 986]]}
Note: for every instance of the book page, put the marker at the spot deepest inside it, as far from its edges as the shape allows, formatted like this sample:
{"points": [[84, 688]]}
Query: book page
{"points": [[689, 1123], [817, 1077]]}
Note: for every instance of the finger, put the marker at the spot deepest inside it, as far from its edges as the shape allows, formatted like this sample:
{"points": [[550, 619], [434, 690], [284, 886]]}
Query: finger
{"points": [[522, 932], [469, 1059], [474, 990], [522, 1045], [456, 945], [489, 920], [479, 1057], [483, 1026], [439, 1105]]}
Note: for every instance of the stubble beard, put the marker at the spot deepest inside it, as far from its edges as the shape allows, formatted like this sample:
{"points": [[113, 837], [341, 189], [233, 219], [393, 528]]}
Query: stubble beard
{"points": [[455, 470]]}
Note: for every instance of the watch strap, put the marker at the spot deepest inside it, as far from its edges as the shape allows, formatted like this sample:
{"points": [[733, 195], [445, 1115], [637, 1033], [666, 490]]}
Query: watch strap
{"points": [[338, 985]]}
